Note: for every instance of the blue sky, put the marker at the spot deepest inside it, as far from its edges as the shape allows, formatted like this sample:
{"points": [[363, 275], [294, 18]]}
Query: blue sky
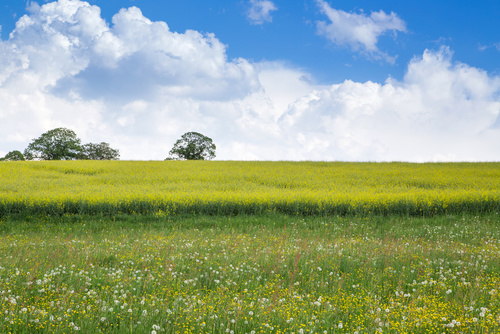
{"points": [[469, 28], [295, 80]]}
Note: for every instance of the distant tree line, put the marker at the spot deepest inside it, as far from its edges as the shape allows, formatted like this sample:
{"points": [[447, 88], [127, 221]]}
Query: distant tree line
{"points": [[63, 144]]}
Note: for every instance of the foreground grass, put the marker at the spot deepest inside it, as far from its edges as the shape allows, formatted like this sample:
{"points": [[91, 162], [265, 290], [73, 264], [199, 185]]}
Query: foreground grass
{"points": [[249, 274]]}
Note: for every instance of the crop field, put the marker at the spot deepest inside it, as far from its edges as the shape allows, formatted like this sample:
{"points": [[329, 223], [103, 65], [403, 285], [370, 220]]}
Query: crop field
{"points": [[223, 187], [249, 247]]}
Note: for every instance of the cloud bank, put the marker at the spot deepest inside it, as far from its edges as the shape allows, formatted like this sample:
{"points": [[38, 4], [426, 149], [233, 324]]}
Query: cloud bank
{"points": [[139, 86], [441, 111], [359, 31]]}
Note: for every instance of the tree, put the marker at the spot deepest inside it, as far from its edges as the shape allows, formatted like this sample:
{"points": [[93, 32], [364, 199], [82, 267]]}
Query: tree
{"points": [[56, 144], [102, 151], [193, 146], [13, 156]]}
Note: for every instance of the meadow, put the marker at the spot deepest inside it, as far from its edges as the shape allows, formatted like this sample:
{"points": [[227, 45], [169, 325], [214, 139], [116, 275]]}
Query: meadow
{"points": [[270, 273], [249, 247]]}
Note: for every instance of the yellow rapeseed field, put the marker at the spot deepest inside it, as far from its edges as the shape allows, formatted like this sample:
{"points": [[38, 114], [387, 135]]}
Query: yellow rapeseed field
{"points": [[232, 187]]}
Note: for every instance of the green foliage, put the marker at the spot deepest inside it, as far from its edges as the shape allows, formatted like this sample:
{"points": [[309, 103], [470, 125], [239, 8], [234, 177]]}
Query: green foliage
{"points": [[193, 146], [102, 151], [56, 144], [13, 156], [63, 144]]}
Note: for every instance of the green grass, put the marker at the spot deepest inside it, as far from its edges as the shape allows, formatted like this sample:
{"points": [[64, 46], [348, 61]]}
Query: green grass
{"points": [[269, 273]]}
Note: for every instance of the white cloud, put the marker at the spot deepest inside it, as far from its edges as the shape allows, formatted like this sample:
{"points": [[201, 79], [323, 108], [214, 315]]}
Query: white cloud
{"points": [[358, 31], [260, 11], [441, 110], [139, 86], [66, 44]]}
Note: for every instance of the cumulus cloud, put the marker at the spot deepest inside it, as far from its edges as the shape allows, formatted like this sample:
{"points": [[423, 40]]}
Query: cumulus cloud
{"points": [[260, 11], [441, 110], [69, 40], [139, 86], [358, 31]]}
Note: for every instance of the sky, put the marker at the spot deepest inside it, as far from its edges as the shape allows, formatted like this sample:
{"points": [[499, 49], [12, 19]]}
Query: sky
{"points": [[325, 80]]}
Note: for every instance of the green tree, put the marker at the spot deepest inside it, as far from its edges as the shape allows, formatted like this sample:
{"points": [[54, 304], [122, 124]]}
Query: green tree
{"points": [[56, 144], [13, 156], [193, 146], [102, 151]]}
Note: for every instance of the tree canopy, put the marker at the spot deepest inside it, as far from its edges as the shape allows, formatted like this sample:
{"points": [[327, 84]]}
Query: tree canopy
{"points": [[13, 156], [56, 144], [63, 144], [100, 151], [193, 146]]}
